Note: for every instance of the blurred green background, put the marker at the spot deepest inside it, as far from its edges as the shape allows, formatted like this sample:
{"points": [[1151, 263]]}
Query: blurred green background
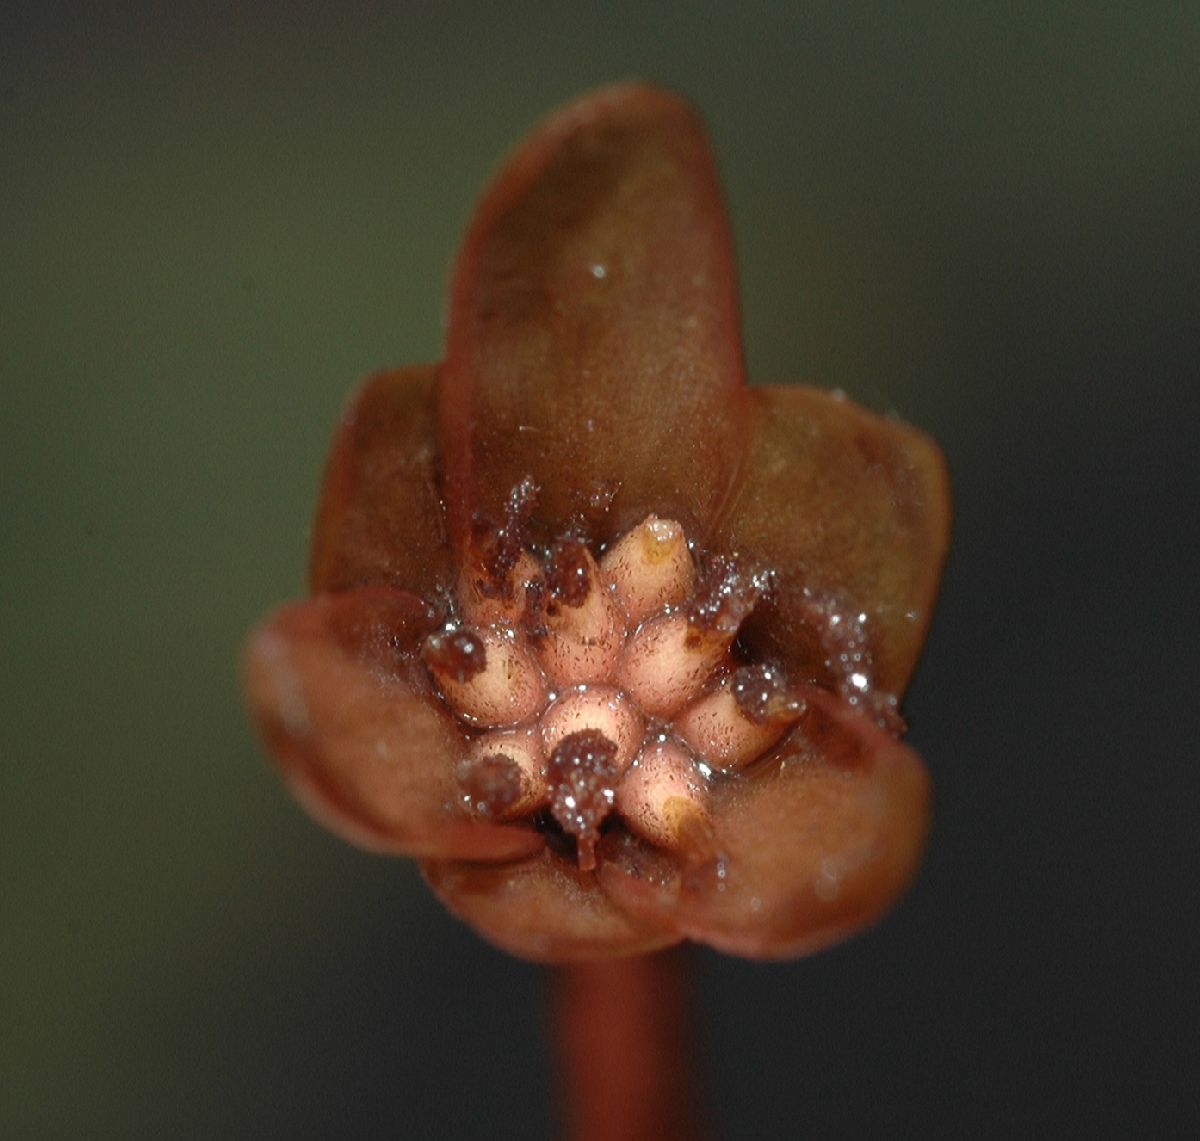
{"points": [[213, 222]]}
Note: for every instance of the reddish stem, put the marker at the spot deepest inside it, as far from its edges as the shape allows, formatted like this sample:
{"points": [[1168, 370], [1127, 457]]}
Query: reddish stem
{"points": [[624, 1044]]}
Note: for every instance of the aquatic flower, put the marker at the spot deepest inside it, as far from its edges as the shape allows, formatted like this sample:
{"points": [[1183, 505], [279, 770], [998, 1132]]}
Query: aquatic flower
{"points": [[611, 642]]}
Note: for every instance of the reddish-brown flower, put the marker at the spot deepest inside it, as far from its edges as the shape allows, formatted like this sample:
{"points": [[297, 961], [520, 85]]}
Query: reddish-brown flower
{"points": [[609, 641]]}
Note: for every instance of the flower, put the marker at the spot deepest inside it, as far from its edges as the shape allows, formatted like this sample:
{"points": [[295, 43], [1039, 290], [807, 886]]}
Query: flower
{"points": [[610, 642]]}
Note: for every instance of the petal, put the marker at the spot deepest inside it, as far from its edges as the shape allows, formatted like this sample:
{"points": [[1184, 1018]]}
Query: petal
{"points": [[593, 336], [543, 909], [379, 521], [815, 845], [345, 707], [850, 505]]}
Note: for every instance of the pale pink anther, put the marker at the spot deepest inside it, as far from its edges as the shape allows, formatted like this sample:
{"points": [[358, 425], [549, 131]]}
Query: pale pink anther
{"points": [[584, 627], [667, 663], [503, 774], [717, 729], [483, 601], [597, 707], [488, 676], [649, 568], [664, 799]]}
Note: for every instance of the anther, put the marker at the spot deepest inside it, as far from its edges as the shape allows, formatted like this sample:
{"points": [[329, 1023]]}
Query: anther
{"points": [[763, 695], [503, 774], [486, 597], [664, 799], [492, 586], [456, 655], [724, 598], [569, 574], [602, 709], [506, 689], [491, 786], [583, 627], [741, 720], [650, 568], [667, 663]]}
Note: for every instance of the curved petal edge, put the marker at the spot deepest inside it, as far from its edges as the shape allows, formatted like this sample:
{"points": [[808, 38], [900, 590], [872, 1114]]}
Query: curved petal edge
{"points": [[345, 710], [379, 520], [814, 846], [542, 909]]}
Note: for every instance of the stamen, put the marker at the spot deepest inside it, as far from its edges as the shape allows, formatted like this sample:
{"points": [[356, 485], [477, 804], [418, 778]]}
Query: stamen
{"points": [[640, 637], [741, 720], [583, 777], [763, 696], [457, 655], [725, 598], [668, 662], [568, 573], [506, 689], [492, 587], [600, 708], [649, 568], [503, 774], [484, 600], [491, 785], [506, 543], [663, 798], [583, 628]]}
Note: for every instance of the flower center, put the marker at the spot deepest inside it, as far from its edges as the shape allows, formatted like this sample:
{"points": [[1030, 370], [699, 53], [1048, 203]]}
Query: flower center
{"points": [[604, 689]]}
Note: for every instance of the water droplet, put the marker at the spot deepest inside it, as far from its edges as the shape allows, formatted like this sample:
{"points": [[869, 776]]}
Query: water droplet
{"points": [[828, 885]]}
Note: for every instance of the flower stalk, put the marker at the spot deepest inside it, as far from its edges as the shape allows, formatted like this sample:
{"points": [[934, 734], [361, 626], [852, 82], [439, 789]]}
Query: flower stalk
{"points": [[624, 1038]]}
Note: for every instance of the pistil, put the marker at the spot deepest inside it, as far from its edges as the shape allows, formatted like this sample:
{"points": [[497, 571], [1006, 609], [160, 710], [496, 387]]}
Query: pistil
{"points": [[583, 778]]}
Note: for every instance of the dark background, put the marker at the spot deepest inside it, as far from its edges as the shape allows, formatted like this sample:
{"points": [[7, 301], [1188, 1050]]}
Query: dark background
{"points": [[981, 216]]}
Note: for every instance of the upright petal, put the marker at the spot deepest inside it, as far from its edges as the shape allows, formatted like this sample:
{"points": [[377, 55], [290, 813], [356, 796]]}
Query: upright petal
{"points": [[380, 519], [850, 505], [346, 711], [593, 335], [815, 845]]}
